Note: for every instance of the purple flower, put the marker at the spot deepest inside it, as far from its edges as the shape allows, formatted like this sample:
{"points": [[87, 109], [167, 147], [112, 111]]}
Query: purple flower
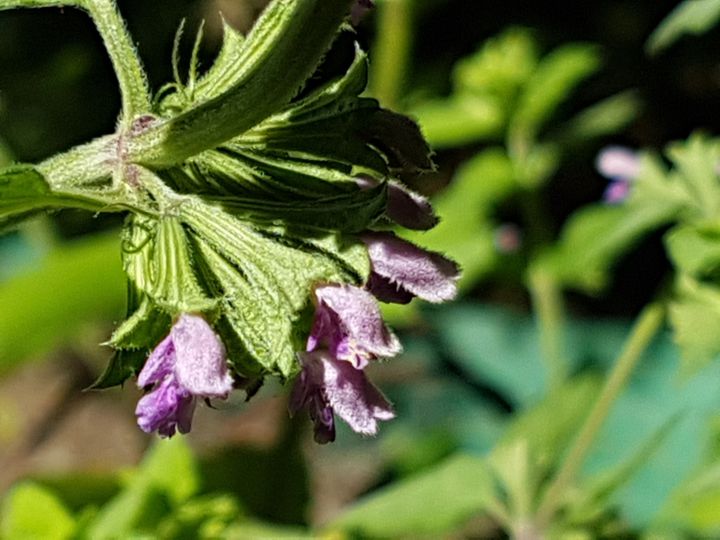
{"points": [[328, 386], [621, 166], [401, 270], [617, 191], [349, 325], [190, 362], [405, 207]]}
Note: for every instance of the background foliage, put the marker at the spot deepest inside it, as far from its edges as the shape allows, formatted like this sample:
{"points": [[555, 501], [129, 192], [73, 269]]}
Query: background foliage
{"points": [[516, 99]]}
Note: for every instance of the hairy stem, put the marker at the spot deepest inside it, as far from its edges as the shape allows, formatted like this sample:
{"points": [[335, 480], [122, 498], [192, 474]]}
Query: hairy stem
{"points": [[282, 51], [648, 324], [134, 90]]}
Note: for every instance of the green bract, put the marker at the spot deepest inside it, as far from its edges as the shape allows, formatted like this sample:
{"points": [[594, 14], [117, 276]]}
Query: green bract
{"points": [[240, 187]]}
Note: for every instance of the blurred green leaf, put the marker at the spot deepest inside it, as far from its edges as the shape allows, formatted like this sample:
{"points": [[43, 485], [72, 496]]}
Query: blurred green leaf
{"points": [[139, 507], [281, 471], [498, 348], [204, 517], [459, 119], [695, 318], [171, 466], [555, 78], [537, 166], [255, 530], [549, 426], [689, 17], [694, 506], [594, 238], [603, 118], [166, 478], [79, 489], [597, 493], [431, 502], [79, 283], [502, 65], [656, 396], [31, 512], [5, 154], [494, 346], [695, 249], [696, 160]]}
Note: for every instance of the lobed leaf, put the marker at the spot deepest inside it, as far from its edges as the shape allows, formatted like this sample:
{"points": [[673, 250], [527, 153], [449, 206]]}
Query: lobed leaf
{"points": [[264, 277]]}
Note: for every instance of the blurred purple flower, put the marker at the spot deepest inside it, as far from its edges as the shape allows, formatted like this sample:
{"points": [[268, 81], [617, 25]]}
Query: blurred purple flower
{"points": [[621, 166], [328, 386], [190, 362], [507, 238], [405, 207], [401, 270], [617, 191], [349, 325]]}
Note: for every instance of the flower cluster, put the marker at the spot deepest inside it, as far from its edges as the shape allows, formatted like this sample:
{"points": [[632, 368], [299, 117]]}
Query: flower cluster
{"points": [[347, 334], [348, 331]]}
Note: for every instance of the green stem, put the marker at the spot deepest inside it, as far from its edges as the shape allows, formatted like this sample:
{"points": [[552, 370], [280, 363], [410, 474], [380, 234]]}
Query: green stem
{"points": [[134, 90], [13, 4], [392, 50], [548, 306], [648, 324], [283, 49]]}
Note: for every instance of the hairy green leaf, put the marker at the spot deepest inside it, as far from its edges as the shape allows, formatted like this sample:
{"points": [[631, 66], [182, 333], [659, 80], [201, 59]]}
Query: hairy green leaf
{"points": [[265, 278], [158, 260]]}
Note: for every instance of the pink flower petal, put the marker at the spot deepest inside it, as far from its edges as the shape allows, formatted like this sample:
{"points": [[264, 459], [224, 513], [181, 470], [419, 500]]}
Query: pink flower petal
{"points": [[425, 274], [359, 320], [201, 360]]}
